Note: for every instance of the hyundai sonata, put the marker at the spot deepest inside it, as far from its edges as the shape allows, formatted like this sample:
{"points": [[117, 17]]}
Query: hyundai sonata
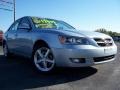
{"points": [[51, 43]]}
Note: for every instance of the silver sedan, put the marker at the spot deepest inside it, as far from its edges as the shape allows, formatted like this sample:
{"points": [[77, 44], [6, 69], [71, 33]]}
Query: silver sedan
{"points": [[49, 43]]}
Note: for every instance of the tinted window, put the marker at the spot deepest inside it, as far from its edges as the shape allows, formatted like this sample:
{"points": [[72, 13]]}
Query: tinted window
{"points": [[23, 22], [14, 26]]}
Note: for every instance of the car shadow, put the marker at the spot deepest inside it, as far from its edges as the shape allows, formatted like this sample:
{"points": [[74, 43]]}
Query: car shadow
{"points": [[19, 73]]}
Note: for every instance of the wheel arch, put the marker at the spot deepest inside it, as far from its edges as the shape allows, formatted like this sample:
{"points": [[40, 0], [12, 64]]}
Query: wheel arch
{"points": [[39, 43]]}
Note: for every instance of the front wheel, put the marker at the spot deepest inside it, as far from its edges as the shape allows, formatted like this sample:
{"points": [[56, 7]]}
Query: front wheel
{"points": [[44, 59]]}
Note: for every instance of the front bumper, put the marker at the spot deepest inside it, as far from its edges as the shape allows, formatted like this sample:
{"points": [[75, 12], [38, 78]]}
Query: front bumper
{"points": [[89, 53]]}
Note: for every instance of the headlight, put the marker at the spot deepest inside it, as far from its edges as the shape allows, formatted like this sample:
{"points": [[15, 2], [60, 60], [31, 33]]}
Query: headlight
{"points": [[73, 40]]}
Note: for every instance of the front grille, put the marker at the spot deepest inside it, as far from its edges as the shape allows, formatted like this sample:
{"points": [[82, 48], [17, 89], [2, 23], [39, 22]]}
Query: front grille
{"points": [[104, 42], [99, 59]]}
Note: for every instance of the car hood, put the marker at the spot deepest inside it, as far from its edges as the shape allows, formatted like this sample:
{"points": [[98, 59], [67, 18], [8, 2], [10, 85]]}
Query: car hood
{"points": [[80, 33], [77, 33], [92, 34]]}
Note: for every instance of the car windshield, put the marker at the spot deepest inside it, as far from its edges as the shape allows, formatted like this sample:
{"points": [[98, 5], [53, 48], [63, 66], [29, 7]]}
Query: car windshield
{"points": [[44, 23]]}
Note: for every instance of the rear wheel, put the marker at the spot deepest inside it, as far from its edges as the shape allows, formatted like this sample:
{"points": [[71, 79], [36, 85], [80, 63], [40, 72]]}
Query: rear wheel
{"points": [[43, 59]]}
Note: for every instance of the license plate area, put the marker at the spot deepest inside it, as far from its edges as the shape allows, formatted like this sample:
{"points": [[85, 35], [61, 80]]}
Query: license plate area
{"points": [[107, 50]]}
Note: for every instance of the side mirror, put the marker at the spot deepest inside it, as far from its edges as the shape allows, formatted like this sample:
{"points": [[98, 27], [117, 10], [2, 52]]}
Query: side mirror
{"points": [[24, 26]]}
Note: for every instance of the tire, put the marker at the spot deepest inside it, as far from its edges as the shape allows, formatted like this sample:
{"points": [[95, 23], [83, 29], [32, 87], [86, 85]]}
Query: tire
{"points": [[6, 52], [43, 59]]}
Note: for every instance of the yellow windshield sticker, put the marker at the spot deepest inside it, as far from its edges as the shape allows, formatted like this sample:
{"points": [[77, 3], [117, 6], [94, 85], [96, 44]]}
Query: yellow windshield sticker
{"points": [[44, 23]]}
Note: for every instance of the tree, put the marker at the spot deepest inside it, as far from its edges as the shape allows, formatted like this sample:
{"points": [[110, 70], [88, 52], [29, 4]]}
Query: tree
{"points": [[102, 30]]}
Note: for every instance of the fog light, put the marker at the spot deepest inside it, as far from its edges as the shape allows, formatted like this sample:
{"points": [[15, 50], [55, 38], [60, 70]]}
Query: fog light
{"points": [[75, 60], [78, 60]]}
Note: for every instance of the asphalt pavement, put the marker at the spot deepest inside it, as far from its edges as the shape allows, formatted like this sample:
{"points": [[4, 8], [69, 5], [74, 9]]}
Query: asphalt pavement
{"points": [[18, 73]]}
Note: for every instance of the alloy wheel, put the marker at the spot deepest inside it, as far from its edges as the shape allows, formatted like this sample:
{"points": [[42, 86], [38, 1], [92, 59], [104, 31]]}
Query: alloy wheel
{"points": [[43, 59]]}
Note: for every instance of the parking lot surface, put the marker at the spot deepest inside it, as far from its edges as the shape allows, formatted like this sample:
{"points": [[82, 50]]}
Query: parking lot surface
{"points": [[18, 73]]}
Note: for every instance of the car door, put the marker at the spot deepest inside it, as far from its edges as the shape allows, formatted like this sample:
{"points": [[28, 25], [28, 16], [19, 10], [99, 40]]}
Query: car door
{"points": [[11, 36], [24, 35]]}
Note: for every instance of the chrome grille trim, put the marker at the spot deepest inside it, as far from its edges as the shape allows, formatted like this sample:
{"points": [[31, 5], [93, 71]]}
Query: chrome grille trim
{"points": [[104, 42]]}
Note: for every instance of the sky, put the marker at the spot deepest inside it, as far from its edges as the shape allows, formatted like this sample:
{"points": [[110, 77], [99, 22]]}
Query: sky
{"points": [[82, 14]]}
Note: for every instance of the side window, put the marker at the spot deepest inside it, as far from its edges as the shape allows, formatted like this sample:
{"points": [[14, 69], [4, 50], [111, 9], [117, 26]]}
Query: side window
{"points": [[62, 26], [14, 26], [24, 22]]}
